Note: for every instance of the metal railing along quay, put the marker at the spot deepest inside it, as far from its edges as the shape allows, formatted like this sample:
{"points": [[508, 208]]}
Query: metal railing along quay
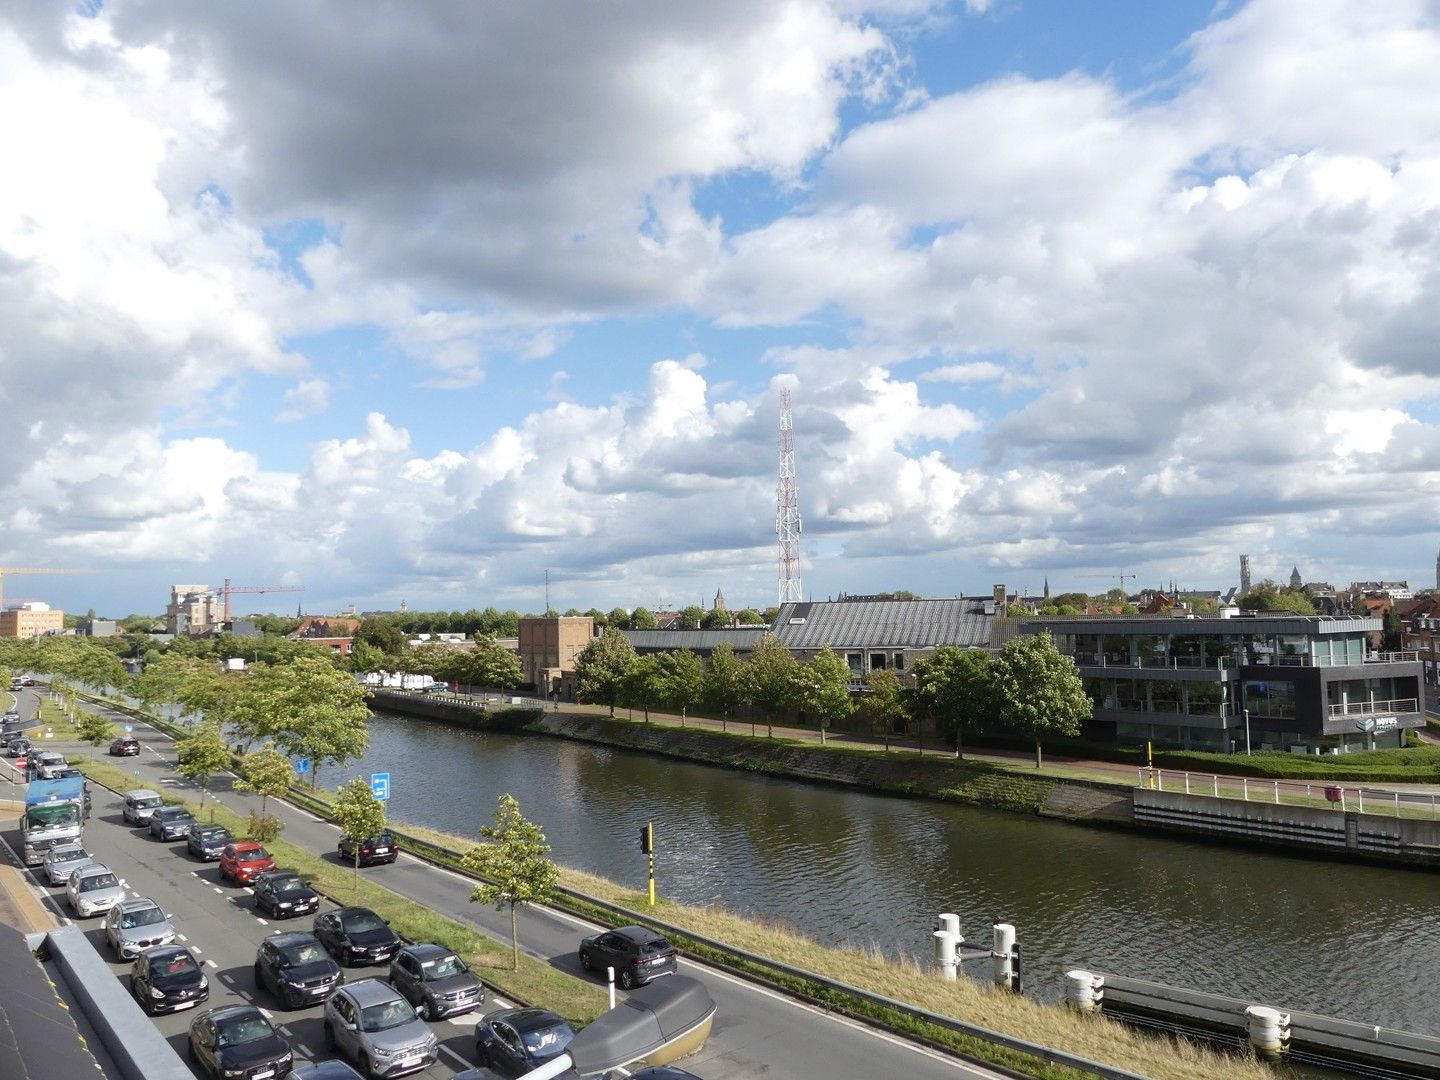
{"points": [[1345, 797]]}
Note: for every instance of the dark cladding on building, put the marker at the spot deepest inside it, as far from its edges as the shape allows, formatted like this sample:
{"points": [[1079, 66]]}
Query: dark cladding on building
{"points": [[1308, 683]]}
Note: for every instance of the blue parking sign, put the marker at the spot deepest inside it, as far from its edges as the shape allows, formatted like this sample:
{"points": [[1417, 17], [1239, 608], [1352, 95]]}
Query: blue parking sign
{"points": [[380, 785], [302, 765]]}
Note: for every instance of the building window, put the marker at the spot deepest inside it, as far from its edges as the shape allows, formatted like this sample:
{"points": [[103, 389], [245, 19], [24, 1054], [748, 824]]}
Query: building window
{"points": [[877, 661], [899, 661], [852, 661]]}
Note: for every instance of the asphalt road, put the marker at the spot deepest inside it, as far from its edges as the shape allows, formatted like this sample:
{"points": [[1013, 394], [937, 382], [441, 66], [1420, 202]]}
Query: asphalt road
{"points": [[757, 1033]]}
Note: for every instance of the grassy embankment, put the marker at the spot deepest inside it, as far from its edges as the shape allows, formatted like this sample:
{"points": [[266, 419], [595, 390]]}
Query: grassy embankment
{"points": [[903, 979]]}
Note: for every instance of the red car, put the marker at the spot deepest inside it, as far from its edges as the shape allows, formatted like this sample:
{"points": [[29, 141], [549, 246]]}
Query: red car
{"points": [[243, 860], [125, 747]]}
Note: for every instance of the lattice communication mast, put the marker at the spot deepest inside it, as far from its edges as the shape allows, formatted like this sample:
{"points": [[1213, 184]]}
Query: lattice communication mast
{"points": [[787, 509]]}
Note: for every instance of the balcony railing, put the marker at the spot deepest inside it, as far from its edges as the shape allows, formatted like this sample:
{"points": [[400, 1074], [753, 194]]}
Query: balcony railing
{"points": [[1372, 708], [1263, 659], [1392, 657]]}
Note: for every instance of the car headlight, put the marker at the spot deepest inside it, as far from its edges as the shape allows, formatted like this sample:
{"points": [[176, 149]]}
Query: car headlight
{"points": [[234, 1072], [158, 995], [379, 1053], [204, 983]]}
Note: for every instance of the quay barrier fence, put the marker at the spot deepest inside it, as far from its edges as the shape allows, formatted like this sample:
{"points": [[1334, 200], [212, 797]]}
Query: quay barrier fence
{"points": [[1348, 797], [819, 989]]}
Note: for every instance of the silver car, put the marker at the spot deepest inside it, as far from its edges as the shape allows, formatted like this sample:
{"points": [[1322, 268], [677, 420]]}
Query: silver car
{"points": [[136, 925], [139, 805], [93, 889], [62, 860], [370, 1023], [48, 763]]}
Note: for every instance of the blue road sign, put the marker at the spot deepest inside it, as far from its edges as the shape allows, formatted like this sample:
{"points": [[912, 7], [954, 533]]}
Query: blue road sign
{"points": [[129, 728], [380, 785], [302, 765]]}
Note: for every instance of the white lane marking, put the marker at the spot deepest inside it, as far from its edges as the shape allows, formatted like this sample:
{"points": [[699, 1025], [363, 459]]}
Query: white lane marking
{"points": [[196, 949], [261, 921], [218, 889], [268, 1015], [194, 873], [250, 890], [459, 1060], [213, 964], [182, 937]]}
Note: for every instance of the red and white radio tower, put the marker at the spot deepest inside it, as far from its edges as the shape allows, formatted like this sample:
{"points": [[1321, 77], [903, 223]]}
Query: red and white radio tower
{"points": [[787, 510]]}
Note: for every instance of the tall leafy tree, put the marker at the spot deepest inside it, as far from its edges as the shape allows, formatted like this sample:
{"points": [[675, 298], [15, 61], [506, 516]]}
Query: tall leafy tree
{"points": [[954, 688], [488, 664], [690, 617], [643, 684], [601, 668], [715, 619], [513, 865], [366, 657], [161, 681], [725, 683], [359, 815], [682, 681], [618, 619], [1037, 689], [771, 675], [642, 619], [202, 754], [885, 704], [749, 617], [823, 688], [314, 710], [383, 634]]}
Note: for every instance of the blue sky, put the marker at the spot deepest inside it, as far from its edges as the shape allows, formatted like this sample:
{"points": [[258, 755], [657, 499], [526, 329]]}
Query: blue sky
{"points": [[418, 311]]}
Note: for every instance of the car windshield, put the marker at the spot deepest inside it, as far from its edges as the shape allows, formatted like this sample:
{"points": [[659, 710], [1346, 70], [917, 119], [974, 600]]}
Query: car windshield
{"points": [[250, 855], [148, 801], [243, 1029], [309, 953], [386, 1016], [178, 964], [68, 854], [97, 881], [211, 835], [56, 814], [286, 886], [360, 921], [548, 1040], [144, 917], [443, 968]]}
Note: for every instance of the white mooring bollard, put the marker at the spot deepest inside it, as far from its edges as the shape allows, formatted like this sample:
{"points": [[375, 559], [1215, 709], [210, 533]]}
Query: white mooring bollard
{"points": [[1084, 990], [1002, 955], [947, 945], [1268, 1031]]}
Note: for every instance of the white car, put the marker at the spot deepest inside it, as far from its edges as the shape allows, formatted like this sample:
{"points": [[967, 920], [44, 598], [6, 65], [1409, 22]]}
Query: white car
{"points": [[93, 890], [136, 925], [49, 763], [139, 805]]}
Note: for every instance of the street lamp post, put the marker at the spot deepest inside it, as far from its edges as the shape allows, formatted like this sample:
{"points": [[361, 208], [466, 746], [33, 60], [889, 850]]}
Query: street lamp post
{"points": [[1246, 713]]}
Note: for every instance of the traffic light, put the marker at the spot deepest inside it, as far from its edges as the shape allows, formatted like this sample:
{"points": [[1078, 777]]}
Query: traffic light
{"points": [[647, 838]]}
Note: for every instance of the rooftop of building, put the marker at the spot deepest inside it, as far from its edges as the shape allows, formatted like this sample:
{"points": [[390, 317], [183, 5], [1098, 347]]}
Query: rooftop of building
{"points": [[1263, 622], [914, 624], [699, 641]]}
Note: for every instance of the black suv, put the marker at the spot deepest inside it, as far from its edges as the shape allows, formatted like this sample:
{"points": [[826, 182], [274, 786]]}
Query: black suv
{"points": [[296, 969], [206, 842], [435, 981], [380, 848], [237, 1040], [356, 935], [283, 893], [637, 955]]}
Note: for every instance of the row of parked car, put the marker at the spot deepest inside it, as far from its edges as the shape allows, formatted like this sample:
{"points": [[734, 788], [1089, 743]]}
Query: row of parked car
{"points": [[379, 1024]]}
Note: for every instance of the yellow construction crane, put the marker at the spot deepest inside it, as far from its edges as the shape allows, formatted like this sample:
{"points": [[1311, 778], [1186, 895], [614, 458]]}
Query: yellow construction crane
{"points": [[33, 570]]}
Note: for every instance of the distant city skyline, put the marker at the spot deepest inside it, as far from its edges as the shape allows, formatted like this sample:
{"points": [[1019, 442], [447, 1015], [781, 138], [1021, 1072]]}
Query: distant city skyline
{"points": [[421, 312]]}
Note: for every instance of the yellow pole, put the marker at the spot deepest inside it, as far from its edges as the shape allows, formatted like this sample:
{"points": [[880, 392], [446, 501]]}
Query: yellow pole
{"points": [[1150, 763], [652, 879]]}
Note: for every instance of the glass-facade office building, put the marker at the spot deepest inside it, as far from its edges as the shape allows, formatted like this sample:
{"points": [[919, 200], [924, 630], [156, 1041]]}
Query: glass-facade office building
{"points": [[1309, 683]]}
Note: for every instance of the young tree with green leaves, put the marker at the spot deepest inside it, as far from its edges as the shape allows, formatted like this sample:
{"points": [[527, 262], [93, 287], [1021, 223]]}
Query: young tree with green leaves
{"points": [[382, 634], [725, 682], [366, 657], [602, 667], [359, 814], [771, 673], [1037, 689], [885, 704], [95, 729], [953, 687], [643, 619], [161, 681], [690, 617], [513, 865], [201, 754], [682, 681], [823, 688], [266, 773]]}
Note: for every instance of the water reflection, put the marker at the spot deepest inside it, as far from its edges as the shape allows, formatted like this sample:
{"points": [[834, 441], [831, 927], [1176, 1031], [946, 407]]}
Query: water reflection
{"points": [[846, 866]]}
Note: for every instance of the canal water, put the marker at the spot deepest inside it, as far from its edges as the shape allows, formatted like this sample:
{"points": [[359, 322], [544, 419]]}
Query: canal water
{"points": [[848, 867]]}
